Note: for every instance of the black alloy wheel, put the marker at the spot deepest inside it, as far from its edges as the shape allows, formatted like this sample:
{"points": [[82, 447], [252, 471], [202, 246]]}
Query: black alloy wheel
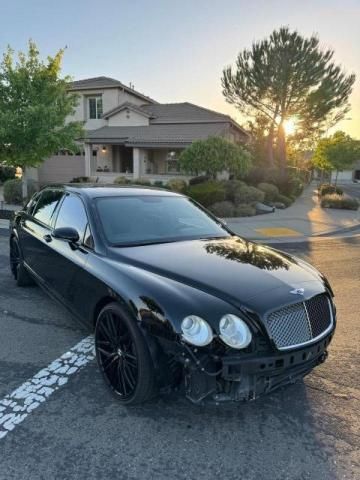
{"points": [[123, 356], [18, 270]]}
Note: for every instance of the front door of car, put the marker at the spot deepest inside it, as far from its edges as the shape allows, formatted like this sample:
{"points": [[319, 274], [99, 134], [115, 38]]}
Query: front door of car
{"points": [[69, 258], [35, 232]]}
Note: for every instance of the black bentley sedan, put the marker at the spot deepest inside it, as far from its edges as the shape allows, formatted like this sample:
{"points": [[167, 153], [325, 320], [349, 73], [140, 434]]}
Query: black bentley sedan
{"points": [[176, 300]]}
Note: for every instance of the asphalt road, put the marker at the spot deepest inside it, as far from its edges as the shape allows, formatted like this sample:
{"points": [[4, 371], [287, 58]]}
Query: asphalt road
{"points": [[352, 189], [309, 430]]}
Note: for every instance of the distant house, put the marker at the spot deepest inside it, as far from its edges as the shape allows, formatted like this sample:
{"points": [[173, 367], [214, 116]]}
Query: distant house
{"points": [[129, 134], [347, 176]]}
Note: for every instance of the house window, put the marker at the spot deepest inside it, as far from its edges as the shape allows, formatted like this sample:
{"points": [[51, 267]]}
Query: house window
{"points": [[95, 107], [172, 162]]}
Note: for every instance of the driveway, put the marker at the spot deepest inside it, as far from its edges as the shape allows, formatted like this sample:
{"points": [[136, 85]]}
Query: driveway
{"points": [[306, 431], [352, 189]]}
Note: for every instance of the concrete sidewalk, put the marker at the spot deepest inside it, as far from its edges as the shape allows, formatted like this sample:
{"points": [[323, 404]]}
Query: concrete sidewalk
{"points": [[305, 218]]}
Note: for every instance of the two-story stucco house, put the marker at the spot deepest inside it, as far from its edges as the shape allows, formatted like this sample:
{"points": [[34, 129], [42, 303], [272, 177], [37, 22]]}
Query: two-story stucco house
{"points": [[129, 134]]}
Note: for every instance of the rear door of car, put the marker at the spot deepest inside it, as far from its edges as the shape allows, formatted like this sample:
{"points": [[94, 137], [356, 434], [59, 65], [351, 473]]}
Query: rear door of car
{"points": [[35, 232]]}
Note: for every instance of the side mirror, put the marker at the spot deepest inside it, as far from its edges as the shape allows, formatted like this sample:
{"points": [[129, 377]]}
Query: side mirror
{"points": [[66, 233]]}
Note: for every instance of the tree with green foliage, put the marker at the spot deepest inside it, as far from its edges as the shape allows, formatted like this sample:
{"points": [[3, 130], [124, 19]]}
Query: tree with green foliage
{"points": [[287, 76], [34, 106], [214, 155], [337, 152]]}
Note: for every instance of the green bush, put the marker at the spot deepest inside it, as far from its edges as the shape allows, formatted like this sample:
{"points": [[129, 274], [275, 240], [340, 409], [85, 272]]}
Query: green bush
{"points": [[243, 210], [207, 193], [199, 179], [176, 185], [7, 173], [231, 187], [141, 181], [81, 180], [335, 200], [223, 209], [327, 189], [13, 191], [248, 195], [284, 199], [122, 181], [255, 175], [159, 184], [271, 191]]}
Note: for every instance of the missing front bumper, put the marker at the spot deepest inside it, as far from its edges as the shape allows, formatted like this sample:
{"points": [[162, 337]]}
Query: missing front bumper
{"points": [[246, 378]]}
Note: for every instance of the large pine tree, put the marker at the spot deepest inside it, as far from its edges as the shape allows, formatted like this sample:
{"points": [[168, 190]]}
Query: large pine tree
{"points": [[288, 76]]}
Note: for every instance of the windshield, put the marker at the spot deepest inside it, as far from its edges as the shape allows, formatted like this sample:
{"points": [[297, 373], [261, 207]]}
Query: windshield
{"points": [[149, 219]]}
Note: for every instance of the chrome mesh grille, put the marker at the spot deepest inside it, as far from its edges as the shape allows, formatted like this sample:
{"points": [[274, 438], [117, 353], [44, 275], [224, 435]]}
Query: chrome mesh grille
{"points": [[300, 323], [318, 309]]}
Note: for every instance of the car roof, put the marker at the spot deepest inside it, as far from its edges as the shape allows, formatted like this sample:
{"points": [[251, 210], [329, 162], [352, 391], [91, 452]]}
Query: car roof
{"points": [[96, 190]]}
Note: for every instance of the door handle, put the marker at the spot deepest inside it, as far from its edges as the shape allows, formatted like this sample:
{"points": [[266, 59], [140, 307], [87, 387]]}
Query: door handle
{"points": [[47, 238]]}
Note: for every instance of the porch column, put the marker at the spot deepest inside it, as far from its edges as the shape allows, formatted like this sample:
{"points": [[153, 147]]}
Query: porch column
{"points": [[136, 163], [88, 152]]}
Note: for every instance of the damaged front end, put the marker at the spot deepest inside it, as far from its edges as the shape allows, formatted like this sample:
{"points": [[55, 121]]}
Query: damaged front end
{"points": [[283, 347], [243, 377]]}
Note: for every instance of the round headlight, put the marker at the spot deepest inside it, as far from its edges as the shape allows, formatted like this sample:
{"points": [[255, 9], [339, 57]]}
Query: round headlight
{"points": [[234, 331], [196, 331]]}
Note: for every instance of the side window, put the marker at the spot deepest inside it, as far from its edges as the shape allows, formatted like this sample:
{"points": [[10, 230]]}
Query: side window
{"points": [[72, 214], [46, 205]]}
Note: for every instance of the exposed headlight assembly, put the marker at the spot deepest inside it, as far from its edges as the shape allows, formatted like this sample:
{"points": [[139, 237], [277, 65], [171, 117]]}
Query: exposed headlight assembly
{"points": [[234, 331], [196, 330]]}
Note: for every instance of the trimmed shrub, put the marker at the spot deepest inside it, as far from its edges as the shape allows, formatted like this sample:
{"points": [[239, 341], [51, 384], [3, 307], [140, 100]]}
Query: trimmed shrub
{"points": [[81, 180], [231, 187], [176, 185], [122, 181], [7, 173], [207, 193], [255, 175], [13, 191], [159, 184], [141, 181], [223, 209], [248, 195], [243, 210], [284, 199], [271, 191], [327, 189], [199, 179], [335, 200]]}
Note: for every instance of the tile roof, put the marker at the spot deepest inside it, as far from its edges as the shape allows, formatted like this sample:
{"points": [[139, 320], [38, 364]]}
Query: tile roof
{"points": [[183, 113], [123, 106], [105, 82], [156, 135]]}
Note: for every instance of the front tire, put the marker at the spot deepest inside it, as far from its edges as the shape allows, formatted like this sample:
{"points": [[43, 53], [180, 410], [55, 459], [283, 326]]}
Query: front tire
{"points": [[22, 277], [123, 356]]}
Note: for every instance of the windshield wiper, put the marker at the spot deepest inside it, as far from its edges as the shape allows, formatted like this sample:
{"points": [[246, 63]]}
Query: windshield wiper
{"points": [[143, 243]]}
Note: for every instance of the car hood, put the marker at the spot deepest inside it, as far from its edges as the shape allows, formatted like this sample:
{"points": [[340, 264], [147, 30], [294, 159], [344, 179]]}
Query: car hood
{"points": [[240, 272]]}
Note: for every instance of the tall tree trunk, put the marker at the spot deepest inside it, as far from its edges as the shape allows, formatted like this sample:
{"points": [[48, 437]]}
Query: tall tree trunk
{"points": [[270, 147], [281, 147]]}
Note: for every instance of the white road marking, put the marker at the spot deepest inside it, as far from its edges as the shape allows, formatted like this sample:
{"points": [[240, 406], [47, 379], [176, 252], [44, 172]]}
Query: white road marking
{"points": [[16, 406]]}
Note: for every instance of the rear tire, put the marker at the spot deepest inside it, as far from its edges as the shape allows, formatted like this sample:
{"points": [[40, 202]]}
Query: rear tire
{"points": [[123, 356], [21, 275]]}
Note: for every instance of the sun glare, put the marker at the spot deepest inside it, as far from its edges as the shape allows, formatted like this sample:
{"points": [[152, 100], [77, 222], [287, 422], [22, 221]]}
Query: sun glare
{"points": [[290, 126]]}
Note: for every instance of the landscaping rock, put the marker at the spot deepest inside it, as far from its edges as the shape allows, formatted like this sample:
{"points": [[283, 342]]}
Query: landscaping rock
{"points": [[262, 208], [279, 205]]}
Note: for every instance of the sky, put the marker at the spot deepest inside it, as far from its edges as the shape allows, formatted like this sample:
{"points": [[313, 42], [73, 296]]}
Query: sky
{"points": [[176, 50]]}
